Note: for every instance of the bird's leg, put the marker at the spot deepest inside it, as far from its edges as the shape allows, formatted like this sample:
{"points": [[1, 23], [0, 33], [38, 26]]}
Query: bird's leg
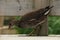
{"points": [[35, 31]]}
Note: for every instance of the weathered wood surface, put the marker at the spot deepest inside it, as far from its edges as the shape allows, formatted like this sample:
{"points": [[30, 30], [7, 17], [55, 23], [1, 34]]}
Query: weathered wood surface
{"points": [[16, 37], [5, 30], [42, 4], [1, 21], [56, 9], [11, 7]]}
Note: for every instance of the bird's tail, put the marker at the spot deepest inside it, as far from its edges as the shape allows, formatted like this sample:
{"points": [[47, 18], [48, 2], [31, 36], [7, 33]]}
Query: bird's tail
{"points": [[48, 7]]}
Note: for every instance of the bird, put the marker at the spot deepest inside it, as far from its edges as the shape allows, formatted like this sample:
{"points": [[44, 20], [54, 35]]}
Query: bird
{"points": [[32, 18]]}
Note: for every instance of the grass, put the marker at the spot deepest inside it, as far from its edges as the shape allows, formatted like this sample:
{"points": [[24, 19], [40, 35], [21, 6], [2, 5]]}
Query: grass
{"points": [[23, 30], [54, 24]]}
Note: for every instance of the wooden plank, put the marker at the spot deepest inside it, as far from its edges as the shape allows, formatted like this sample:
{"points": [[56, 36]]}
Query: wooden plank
{"points": [[11, 7], [5, 30], [38, 4], [1, 22], [41, 4], [56, 9], [44, 28]]}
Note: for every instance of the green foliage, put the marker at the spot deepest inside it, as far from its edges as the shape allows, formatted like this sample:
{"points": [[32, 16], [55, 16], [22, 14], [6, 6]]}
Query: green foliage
{"points": [[23, 30], [54, 24], [17, 17], [6, 22]]}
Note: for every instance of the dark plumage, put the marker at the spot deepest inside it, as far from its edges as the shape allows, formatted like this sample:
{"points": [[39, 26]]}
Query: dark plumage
{"points": [[32, 18]]}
